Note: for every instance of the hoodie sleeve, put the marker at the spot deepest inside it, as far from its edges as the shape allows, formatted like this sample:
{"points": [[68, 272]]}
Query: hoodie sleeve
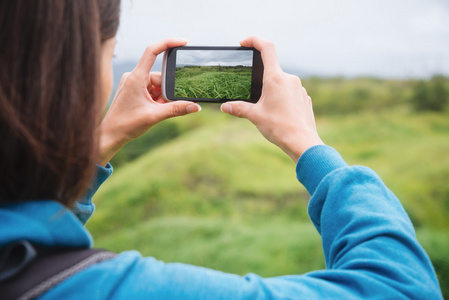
{"points": [[368, 239]]}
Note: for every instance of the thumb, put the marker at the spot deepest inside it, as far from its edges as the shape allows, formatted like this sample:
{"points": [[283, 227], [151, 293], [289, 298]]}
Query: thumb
{"points": [[177, 108], [239, 109]]}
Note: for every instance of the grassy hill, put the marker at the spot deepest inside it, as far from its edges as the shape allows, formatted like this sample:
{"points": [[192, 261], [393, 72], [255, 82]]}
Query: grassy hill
{"points": [[216, 194], [219, 82]]}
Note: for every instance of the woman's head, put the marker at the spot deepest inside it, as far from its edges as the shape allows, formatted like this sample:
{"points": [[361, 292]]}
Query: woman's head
{"points": [[50, 94]]}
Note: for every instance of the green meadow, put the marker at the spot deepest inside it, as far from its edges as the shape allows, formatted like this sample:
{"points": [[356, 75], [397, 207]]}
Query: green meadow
{"points": [[208, 189], [217, 82]]}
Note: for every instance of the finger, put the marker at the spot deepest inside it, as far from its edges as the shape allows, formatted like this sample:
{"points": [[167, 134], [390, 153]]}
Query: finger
{"points": [[152, 51], [304, 92], [239, 109], [267, 50], [154, 86], [155, 93], [123, 79], [156, 79], [306, 96]]}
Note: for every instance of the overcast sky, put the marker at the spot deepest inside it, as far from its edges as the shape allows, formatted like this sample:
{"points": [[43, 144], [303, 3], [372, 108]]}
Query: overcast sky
{"points": [[388, 38], [214, 58]]}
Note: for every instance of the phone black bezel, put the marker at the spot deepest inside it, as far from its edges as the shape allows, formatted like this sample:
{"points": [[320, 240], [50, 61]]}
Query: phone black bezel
{"points": [[170, 70]]}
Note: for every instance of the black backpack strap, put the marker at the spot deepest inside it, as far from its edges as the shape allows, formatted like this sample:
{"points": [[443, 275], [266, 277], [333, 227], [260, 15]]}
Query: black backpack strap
{"points": [[28, 271]]}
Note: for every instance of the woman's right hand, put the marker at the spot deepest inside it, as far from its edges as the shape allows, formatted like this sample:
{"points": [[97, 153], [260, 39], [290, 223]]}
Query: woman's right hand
{"points": [[284, 113], [137, 105]]}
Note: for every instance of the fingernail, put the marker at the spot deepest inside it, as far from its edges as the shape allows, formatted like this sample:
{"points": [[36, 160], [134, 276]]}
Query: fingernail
{"points": [[226, 108], [193, 108]]}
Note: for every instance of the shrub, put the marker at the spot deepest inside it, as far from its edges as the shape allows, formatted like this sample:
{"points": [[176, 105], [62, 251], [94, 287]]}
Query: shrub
{"points": [[430, 95]]}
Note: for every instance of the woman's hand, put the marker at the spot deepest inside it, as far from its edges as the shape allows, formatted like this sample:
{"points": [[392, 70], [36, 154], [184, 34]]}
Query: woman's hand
{"points": [[284, 112], [138, 105]]}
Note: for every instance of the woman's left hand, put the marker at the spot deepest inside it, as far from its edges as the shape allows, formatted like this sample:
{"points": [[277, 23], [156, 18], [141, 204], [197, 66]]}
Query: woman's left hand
{"points": [[138, 104]]}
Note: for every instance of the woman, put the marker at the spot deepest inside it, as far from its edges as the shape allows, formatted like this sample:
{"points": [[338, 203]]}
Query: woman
{"points": [[55, 79]]}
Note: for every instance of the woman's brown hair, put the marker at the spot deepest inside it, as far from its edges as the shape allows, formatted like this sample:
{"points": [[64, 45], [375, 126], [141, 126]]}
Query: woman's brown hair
{"points": [[49, 89]]}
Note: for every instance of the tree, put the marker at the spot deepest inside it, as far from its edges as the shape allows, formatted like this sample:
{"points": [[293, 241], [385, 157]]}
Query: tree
{"points": [[431, 95]]}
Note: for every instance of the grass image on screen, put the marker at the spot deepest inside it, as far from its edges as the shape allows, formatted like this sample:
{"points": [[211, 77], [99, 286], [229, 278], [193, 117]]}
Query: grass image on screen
{"points": [[213, 74]]}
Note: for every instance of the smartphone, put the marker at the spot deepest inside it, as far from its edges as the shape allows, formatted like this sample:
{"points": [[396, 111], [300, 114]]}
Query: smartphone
{"points": [[212, 74]]}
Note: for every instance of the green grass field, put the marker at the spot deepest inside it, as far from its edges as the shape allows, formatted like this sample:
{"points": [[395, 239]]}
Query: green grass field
{"points": [[216, 82], [216, 194]]}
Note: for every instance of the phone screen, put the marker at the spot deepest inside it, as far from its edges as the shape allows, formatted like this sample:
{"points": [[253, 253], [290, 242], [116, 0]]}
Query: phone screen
{"points": [[219, 74], [213, 74]]}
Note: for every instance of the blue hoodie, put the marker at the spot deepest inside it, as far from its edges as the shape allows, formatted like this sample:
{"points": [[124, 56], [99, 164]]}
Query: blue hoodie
{"points": [[369, 245]]}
